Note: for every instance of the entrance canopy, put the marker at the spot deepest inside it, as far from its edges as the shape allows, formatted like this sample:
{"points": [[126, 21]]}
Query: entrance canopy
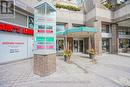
{"points": [[77, 31]]}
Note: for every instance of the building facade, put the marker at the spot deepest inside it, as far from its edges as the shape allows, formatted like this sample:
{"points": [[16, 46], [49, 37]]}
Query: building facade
{"points": [[112, 24], [113, 27], [16, 34]]}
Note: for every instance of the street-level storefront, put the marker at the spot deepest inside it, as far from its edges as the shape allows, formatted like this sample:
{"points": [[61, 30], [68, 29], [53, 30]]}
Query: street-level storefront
{"points": [[124, 45], [75, 44], [124, 39], [78, 39], [16, 42], [106, 37]]}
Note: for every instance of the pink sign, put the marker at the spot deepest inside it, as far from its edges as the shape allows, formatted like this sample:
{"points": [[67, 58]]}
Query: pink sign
{"points": [[49, 31], [40, 31], [50, 47], [40, 47]]}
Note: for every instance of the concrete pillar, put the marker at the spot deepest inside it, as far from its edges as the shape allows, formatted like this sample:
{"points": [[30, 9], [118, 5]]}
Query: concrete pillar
{"points": [[90, 47], [70, 43], [110, 46], [67, 26], [86, 44], [115, 39], [78, 46], [98, 37]]}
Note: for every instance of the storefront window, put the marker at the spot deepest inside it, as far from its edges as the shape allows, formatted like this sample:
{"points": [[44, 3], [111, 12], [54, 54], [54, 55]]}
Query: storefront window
{"points": [[105, 45], [124, 43], [129, 43], [60, 45], [105, 28], [30, 22], [124, 31]]}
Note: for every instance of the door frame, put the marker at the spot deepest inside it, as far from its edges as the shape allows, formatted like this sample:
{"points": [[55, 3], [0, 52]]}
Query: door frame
{"points": [[78, 39]]}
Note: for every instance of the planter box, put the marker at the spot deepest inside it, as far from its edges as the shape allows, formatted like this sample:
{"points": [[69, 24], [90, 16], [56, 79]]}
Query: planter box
{"points": [[91, 56]]}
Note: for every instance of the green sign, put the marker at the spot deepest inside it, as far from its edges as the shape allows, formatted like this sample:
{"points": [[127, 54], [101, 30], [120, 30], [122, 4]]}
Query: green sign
{"points": [[50, 39], [40, 38]]}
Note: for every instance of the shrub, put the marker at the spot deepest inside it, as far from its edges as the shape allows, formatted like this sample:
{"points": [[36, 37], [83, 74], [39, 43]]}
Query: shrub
{"points": [[68, 7]]}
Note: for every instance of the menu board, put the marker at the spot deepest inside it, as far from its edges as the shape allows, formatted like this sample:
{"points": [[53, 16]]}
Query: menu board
{"points": [[45, 33]]}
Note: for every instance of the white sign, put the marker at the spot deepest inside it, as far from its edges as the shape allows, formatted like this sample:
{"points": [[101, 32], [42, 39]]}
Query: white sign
{"points": [[45, 29]]}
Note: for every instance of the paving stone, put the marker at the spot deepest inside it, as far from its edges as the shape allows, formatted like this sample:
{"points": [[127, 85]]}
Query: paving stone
{"points": [[110, 71]]}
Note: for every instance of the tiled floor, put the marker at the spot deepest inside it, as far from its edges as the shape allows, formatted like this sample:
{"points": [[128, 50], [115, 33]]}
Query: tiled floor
{"points": [[110, 71], [125, 54]]}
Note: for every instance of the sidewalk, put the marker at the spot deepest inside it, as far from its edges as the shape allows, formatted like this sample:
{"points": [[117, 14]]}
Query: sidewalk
{"points": [[125, 54], [113, 68], [110, 71]]}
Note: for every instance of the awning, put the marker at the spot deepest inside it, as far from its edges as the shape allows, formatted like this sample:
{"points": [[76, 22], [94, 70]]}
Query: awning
{"points": [[60, 33], [77, 29]]}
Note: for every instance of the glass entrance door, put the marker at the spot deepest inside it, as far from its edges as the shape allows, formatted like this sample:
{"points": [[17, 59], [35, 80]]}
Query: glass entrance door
{"points": [[75, 45], [105, 45], [80, 45]]}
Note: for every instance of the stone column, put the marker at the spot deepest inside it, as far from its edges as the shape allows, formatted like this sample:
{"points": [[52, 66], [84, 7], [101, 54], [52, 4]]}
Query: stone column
{"points": [[67, 26], [115, 39], [98, 37], [110, 46], [90, 47], [44, 65], [86, 44]]}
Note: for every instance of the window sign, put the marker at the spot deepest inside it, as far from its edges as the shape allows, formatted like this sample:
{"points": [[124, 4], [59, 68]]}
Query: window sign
{"points": [[30, 22], [45, 29]]}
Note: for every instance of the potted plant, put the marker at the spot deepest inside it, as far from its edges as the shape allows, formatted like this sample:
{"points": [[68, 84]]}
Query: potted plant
{"points": [[67, 55], [92, 53]]}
